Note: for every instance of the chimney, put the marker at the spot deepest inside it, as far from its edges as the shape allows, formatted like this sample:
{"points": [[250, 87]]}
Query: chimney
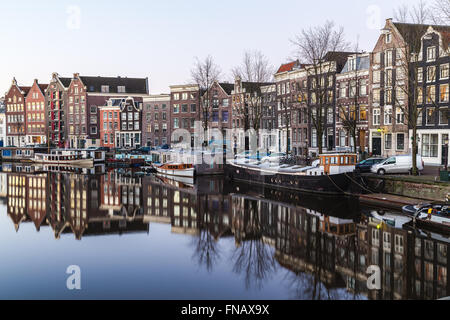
{"points": [[76, 75]]}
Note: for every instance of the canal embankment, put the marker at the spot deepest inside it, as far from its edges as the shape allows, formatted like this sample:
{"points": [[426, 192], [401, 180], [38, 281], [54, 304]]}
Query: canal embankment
{"points": [[397, 191]]}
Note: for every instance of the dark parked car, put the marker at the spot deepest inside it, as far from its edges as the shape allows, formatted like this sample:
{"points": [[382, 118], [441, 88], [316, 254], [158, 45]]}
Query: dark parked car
{"points": [[365, 165]]}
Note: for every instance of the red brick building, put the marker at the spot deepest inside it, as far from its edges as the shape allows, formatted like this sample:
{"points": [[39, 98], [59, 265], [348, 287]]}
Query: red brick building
{"points": [[109, 124], [15, 114], [36, 114], [185, 109]]}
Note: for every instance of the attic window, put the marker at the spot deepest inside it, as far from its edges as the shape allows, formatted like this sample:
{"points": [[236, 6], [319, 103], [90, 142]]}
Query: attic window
{"points": [[121, 89], [388, 38], [91, 89], [105, 89]]}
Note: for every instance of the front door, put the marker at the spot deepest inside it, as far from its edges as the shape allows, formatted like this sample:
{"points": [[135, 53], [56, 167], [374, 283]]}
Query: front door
{"points": [[362, 140], [376, 146]]}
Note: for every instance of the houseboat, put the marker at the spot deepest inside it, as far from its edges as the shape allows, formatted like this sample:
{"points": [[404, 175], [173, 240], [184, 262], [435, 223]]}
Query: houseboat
{"points": [[332, 175], [61, 157], [176, 170]]}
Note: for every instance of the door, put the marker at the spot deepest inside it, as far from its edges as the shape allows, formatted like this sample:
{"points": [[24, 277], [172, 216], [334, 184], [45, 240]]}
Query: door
{"points": [[362, 140], [330, 142], [376, 146]]}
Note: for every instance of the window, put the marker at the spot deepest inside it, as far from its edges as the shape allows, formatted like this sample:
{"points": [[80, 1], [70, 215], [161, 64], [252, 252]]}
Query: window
{"points": [[431, 94], [388, 97], [400, 116], [376, 76], [376, 96], [443, 93], [330, 116], [176, 96], [388, 38], [175, 123], [362, 87], [376, 116], [431, 74], [176, 108], [184, 108], [400, 141], [342, 90], [121, 89], [444, 71], [225, 102], [193, 108], [419, 74], [388, 141], [443, 116], [94, 109], [314, 138], [389, 78], [431, 116], [93, 130], [419, 117], [352, 89], [105, 89], [388, 58], [431, 53], [363, 113], [419, 95], [388, 115], [224, 116], [430, 144]]}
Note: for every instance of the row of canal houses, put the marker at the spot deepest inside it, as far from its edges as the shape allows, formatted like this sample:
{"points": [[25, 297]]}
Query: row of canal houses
{"points": [[322, 249], [367, 88]]}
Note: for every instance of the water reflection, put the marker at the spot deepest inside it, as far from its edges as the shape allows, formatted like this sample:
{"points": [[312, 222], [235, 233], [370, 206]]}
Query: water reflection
{"points": [[322, 245]]}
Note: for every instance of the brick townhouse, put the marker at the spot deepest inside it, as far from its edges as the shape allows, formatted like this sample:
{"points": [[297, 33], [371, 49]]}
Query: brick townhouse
{"points": [[36, 128], [432, 65], [156, 120], [16, 114], [185, 110], [352, 95]]}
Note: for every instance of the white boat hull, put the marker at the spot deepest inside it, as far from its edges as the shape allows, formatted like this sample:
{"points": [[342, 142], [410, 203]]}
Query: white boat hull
{"points": [[81, 162], [187, 173]]}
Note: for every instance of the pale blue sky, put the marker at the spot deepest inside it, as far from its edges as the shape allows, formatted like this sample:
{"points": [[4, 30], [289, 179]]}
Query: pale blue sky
{"points": [[159, 39]]}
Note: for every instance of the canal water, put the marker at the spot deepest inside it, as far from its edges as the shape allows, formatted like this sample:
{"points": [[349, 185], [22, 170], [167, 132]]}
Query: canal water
{"points": [[147, 237]]}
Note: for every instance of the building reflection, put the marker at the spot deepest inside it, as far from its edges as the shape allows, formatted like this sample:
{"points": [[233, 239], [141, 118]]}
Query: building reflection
{"points": [[324, 245]]}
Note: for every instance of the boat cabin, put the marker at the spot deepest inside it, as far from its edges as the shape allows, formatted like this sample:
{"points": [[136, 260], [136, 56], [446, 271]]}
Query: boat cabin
{"points": [[183, 166], [335, 163]]}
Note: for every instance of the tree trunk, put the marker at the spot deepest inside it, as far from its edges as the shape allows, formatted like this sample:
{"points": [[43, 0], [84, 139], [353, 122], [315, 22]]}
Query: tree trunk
{"points": [[415, 171]]}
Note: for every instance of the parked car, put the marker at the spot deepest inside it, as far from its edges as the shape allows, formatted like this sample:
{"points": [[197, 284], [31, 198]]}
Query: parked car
{"points": [[397, 164], [366, 165], [274, 157]]}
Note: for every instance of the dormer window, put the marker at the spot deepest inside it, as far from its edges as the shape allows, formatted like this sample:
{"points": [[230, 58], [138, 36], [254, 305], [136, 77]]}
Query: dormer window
{"points": [[105, 89], [121, 89], [388, 38]]}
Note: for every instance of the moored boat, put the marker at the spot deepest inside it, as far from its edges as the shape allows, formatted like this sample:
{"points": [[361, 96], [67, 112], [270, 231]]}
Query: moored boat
{"points": [[333, 175], [63, 158], [434, 216], [176, 169]]}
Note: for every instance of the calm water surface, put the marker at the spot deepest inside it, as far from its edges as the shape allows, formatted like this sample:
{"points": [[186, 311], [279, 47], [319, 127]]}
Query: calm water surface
{"points": [[151, 238]]}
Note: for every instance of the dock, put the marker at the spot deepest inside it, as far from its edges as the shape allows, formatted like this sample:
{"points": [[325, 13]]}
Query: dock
{"points": [[388, 201]]}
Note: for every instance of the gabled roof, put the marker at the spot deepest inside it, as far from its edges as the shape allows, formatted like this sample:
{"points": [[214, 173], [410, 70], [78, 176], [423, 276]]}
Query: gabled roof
{"points": [[43, 87], [132, 85], [288, 66], [25, 90], [412, 32], [254, 86], [227, 87]]}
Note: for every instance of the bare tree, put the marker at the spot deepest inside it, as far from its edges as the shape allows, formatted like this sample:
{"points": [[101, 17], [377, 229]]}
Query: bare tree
{"points": [[254, 71], [312, 45], [440, 12], [419, 13], [205, 73]]}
